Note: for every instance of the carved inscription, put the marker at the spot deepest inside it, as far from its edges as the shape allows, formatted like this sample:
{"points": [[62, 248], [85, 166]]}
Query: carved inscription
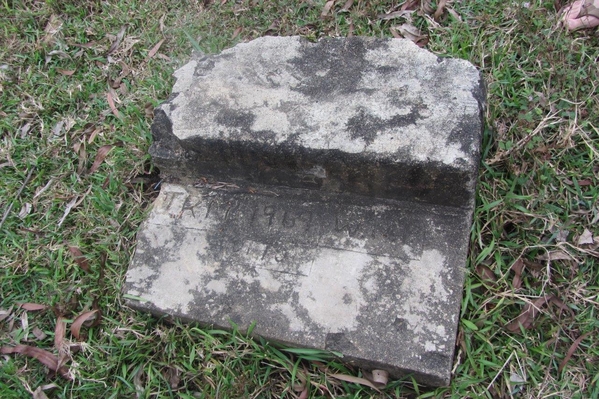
{"points": [[266, 233]]}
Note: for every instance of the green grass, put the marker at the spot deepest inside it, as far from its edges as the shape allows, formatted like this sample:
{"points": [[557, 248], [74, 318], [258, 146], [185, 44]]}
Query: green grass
{"points": [[538, 191]]}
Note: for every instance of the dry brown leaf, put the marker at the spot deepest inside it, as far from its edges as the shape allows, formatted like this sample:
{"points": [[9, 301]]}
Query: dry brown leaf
{"points": [[347, 5], [82, 159], [355, 380], [117, 40], [395, 14], [486, 274], [65, 72], [149, 111], [560, 304], [517, 267], [454, 14], [411, 32], [155, 49], [351, 29], [585, 182], [32, 306], [46, 358], [39, 394], [100, 156], [79, 258], [380, 377], [236, 32], [555, 255], [59, 333], [327, 8], [52, 28], [4, 313], [39, 334], [440, 6], [93, 135], [411, 5], [110, 99], [586, 237], [528, 315], [78, 322], [304, 394], [571, 351]]}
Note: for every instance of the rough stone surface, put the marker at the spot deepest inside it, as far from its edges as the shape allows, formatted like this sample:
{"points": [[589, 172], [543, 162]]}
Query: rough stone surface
{"points": [[378, 117], [378, 280], [343, 223]]}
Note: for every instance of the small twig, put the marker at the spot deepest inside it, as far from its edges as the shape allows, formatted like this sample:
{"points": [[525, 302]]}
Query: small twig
{"points": [[7, 211]]}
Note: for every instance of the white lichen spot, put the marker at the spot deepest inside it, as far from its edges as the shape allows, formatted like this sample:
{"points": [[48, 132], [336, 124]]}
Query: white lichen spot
{"points": [[331, 295], [424, 288], [177, 280]]}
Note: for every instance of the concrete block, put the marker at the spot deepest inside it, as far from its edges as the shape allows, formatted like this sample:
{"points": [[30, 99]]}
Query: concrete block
{"points": [[348, 170], [376, 117], [378, 280]]}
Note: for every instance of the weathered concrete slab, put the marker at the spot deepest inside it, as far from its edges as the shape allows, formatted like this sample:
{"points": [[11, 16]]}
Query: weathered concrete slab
{"points": [[377, 117], [344, 223], [378, 280]]}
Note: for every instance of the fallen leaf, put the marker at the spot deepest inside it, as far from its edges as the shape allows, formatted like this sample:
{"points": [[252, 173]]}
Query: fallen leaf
{"points": [[562, 235], [380, 377], [560, 304], [586, 238], [585, 182], [59, 333], [454, 14], [67, 210], [25, 129], [86, 45], [82, 159], [117, 41], [355, 380], [555, 255], [528, 315], [327, 8], [78, 322], [32, 306], [517, 267], [351, 29], [52, 28], [46, 358], [79, 258], [39, 394], [39, 334], [110, 100], [486, 274], [93, 135], [25, 210], [347, 5], [236, 32], [24, 321], [411, 32], [395, 14], [155, 49], [304, 394], [149, 110], [4, 313], [440, 6], [411, 5], [571, 351], [58, 128], [100, 156], [65, 72]]}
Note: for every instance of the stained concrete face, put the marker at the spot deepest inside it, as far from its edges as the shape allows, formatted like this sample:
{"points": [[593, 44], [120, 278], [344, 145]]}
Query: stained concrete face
{"points": [[377, 117], [349, 168], [374, 280]]}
